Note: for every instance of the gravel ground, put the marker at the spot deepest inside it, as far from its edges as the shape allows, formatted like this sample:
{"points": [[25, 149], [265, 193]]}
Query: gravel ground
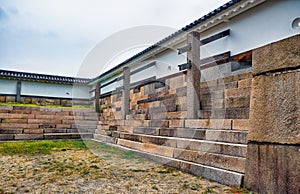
{"points": [[81, 171]]}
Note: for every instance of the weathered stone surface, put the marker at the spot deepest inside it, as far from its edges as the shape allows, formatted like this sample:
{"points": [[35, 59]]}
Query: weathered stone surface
{"points": [[240, 124], [227, 136], [29, 136], [132, 137], [146, 130], [6, 137], [158, 123], [211, 147], [190, 133], [33, 131], [197, 123], [155, 149], [275, 108], [129, 144], [16, 116], [237, 92], [10, 99], [11, 130], [273, 168], [279, 55], [176, 123], [159, 141], [246, 83], [2, 98], [216, 160], [14, 120]]}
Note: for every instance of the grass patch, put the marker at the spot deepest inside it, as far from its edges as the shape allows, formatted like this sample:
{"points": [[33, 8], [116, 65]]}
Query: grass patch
{"points": [[124, 154], [45, 106], [38, 147]]}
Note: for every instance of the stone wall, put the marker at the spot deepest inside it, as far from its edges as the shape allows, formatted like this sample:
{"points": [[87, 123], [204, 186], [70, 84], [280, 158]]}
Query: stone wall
{"points": [[212, 146], [45, 101], [223, 98], [19, 123], [273, 159]]}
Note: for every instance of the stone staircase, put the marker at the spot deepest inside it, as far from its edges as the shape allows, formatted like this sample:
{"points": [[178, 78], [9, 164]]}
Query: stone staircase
{"points": [[212, 148], [34, 123]]}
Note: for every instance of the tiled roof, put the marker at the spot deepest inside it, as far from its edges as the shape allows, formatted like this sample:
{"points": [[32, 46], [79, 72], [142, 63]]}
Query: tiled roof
{"points": [[184, 29], [41, 77]]}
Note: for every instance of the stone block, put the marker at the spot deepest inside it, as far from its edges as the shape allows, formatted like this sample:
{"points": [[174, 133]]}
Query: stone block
{"points": [[11, 130], [5, 137], [227, 136], [216, 160], [197, 123], [273, 168], [18, 125], [131, 137], [146, 130], [275, 108], [240, 124], [159, 141], [275, 56], [10, 99], [176, 123], [29, 136], [167, 132], [14, 120], [246, 83], [16, 116], [155, 149], [177, 115], [129, 144], [237, 102], [2, 98], [158, 123], [237, 92], [220, 123], [33, 131], [63, 126], [133, 123], [44, 121], [190, 133]]}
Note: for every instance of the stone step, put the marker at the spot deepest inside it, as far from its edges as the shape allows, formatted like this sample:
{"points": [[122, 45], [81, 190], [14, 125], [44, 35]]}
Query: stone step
{"points": [[105, 138], [230, 149], [68, 136], [83, 126], [226, 162], [230, 136], [222, 176]]}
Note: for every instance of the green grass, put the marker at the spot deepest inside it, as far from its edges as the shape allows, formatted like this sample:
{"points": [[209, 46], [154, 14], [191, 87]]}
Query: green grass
{"points": [[46, 106], [39, 147], [47, 146]]}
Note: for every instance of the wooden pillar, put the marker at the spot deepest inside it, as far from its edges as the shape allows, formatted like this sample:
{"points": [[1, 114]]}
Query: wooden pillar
{"points": [[193, 75], [126, 92], [18, 96], [97, 96]]}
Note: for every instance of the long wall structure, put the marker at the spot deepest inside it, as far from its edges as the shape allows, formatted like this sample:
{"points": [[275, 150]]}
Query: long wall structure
{"points": [[213, 143], [226, 108], [41, 89]]}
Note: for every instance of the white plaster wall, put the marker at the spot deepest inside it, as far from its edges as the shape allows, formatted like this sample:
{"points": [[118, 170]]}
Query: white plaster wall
{"points": [[54, 90], [264, 24], [8, 86]]}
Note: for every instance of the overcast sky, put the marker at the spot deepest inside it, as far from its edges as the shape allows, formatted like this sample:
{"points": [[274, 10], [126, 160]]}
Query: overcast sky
{"points": [[55, 36]]}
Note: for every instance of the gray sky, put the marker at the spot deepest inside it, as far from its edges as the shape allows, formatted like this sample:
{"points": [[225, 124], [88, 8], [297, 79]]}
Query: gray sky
{"points": [[55, 36]]}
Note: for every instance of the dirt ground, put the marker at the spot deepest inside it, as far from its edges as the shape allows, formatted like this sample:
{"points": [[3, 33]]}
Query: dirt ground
{"points": [[109, 171]]}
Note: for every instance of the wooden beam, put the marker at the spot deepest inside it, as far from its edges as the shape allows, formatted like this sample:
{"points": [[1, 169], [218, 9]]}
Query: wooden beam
{"points": [[215, 37], [193, 75], [97, 97], [18, 93]]}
